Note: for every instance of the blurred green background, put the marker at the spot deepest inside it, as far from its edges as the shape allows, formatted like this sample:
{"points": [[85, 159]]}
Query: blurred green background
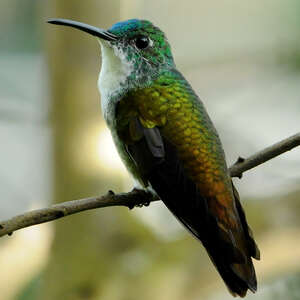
{"points": [[242, 58]]}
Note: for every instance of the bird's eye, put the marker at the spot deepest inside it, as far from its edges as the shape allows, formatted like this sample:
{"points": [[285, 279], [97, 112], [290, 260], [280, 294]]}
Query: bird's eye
{"points": [[142, 42]]}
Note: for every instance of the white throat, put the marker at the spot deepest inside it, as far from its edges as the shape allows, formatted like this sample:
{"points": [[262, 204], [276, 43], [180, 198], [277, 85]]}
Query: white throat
{"points": [[115, 70]]}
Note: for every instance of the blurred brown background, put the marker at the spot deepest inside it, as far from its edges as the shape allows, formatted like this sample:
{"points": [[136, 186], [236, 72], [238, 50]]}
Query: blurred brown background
{"points": [[243, 59]]}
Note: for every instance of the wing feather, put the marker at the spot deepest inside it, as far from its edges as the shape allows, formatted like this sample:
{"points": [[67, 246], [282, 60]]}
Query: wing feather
{"points": [[230, 249]]}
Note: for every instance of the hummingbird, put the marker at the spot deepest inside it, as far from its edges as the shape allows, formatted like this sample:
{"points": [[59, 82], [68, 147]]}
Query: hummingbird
{"points": [[169, 144]]}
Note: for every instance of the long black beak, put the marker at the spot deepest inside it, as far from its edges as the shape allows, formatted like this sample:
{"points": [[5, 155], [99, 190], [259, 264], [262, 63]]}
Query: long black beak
{"points": [[101, 33]]}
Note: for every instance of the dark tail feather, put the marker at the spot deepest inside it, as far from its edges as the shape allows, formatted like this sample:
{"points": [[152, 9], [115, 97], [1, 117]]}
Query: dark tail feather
{"points": [[251, 245], [239, 276]]}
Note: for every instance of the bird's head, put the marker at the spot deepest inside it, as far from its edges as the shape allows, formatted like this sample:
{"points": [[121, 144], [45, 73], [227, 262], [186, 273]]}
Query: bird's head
{"points": [[135, 50]]}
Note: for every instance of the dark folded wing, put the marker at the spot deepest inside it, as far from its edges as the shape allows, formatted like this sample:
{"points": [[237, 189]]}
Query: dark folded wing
{"points": [[158, 162]]}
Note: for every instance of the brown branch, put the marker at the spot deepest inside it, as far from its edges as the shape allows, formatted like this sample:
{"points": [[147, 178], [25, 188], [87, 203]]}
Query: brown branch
{"points": [[135, 197], [242, 165]]}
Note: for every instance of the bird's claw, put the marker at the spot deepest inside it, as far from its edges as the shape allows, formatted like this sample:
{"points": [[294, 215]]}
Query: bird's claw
{"points": [[146, 201]]}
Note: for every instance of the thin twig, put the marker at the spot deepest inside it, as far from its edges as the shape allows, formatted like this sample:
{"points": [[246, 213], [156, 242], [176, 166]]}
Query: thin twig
{"points": [[135, 197], [57, 211], [242, 165]]}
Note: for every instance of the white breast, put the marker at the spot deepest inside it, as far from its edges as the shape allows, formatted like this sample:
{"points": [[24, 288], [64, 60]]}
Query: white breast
{"points": [[114, 72]]}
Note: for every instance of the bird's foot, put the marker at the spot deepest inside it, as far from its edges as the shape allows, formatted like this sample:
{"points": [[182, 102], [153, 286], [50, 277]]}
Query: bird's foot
{"points": [[142, 198]]}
